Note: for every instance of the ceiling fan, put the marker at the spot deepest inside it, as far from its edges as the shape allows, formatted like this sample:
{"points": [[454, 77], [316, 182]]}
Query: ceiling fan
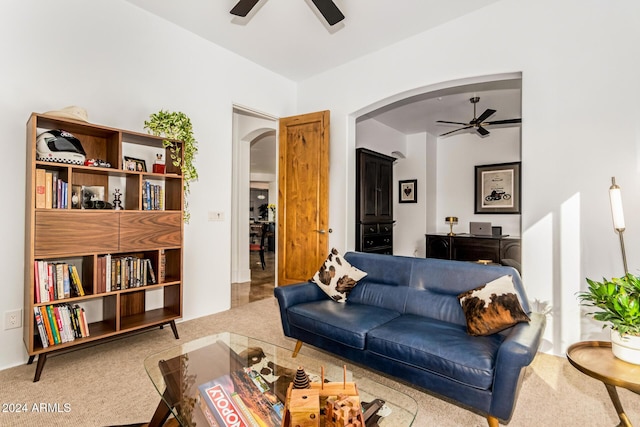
{"points": [[479, 122], [327, 8]]}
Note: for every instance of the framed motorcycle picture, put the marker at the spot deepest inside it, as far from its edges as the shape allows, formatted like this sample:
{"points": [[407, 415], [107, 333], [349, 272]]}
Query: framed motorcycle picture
{"points": [[497, 188]]}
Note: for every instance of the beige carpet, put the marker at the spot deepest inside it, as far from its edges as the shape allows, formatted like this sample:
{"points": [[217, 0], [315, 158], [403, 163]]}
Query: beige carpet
{"points": [[107, 385]]}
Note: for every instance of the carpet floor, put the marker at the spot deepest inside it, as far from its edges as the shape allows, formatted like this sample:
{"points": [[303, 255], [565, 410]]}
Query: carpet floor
{"points": [[106, 385]]}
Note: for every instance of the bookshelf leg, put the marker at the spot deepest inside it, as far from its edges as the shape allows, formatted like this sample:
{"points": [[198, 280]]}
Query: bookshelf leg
{"points": [[174, 328], [42, 358], [30, 361]]}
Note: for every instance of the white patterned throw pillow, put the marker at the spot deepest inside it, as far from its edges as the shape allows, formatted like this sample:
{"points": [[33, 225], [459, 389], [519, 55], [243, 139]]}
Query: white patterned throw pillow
{"points": [[336, 277]]}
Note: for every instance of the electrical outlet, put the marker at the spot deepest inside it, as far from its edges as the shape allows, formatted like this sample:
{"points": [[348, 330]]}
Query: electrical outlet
{"points": [[13, 319]]}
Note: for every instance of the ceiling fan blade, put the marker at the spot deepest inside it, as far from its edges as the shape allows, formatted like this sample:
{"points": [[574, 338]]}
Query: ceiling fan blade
{"points": [[485, 115], [447, 133], [452, 123], [243, 7], [503, 122], [482, 131], [329, 10]]}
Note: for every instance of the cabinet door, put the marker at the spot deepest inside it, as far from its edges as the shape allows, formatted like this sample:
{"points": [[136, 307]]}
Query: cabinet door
{"points": [[438, 247], [144, 230], [384, 201], [59, 232], [374, 186], [475, 249]]}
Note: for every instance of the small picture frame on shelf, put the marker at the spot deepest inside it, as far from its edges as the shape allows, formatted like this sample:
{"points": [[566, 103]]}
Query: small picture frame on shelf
{"points": [[133, 164], [407, 191]]}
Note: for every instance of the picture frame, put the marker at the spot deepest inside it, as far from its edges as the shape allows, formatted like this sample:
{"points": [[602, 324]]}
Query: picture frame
{"points": [[497, 188], [133, 164], [407, 191]]}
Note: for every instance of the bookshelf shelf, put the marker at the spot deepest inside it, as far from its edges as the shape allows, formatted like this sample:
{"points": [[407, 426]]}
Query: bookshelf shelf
{"points": [[128, 261]]}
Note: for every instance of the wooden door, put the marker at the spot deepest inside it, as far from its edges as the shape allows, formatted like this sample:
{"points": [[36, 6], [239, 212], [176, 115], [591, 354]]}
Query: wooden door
{"points": [[303, 199]]}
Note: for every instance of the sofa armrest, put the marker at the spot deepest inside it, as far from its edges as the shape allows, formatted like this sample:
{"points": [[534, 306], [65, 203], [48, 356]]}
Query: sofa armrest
{"points": [[291, 295], [516, 352]]}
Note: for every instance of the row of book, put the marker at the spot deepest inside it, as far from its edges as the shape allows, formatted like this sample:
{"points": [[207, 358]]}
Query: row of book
{"points": [[117, 273], [152, 197], [55, 281], [51, 191], [60, 323]]}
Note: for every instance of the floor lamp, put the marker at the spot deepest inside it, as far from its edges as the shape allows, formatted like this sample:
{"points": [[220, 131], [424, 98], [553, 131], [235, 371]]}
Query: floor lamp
{"points": [[615, 197]]}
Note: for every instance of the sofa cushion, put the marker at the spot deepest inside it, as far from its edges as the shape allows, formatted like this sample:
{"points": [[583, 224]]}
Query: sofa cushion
{"points": [[492, 307], [336, 277], [347, 323], [439, 347]]}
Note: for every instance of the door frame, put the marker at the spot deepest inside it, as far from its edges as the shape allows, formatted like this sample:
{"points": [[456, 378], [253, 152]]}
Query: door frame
{"points": [[240, 170]]}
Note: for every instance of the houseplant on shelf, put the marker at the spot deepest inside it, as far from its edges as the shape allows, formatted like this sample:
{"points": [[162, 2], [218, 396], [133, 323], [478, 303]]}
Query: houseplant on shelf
{"points": [[177, 126], [619, 302]]}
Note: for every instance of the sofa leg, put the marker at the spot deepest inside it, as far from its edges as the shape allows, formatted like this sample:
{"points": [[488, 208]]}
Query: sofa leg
{"points": [[297, 349], [493, 421]]}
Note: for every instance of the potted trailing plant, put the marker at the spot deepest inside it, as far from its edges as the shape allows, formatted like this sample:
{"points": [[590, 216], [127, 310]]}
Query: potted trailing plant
{"points": [[619, 302], [177, 126]]}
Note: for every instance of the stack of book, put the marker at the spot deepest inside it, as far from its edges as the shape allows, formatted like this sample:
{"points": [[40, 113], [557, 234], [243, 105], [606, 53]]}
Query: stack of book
{"points": [[56, 281], [117, 273], [51, 191], [60, 323], [152, 197]]}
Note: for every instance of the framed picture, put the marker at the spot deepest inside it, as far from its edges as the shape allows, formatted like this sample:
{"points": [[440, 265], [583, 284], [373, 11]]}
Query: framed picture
{"points": [[133, 164], [407, 191], [498, 189]]}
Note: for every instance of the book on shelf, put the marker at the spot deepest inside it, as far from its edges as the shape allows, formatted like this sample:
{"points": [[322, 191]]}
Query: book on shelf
{"points": [[76, 279], [48, 190], [40, 188], [44, 339], [60, 323]]}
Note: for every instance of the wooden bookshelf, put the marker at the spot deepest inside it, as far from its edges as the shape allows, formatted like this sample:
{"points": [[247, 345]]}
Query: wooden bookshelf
{"points": [[73, 234]]}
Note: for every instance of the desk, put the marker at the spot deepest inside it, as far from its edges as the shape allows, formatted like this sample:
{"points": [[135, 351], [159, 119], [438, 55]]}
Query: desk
{"points": [[466, 247], [595, 359]]}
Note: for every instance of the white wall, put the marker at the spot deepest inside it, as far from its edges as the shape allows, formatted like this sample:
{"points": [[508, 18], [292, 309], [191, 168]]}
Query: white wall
{"points": [[457, 157], [122, 64], [580, 127]]}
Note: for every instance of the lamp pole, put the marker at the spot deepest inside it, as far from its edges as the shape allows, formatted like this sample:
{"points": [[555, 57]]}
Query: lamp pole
{"points": [[615, 197]]}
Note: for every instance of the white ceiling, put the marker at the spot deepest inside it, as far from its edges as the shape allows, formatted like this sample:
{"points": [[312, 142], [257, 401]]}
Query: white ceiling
{"points": [[291, 38]]}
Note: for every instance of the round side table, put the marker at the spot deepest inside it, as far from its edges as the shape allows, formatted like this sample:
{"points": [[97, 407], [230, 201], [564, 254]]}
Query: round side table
{"points": [[594, 358]]}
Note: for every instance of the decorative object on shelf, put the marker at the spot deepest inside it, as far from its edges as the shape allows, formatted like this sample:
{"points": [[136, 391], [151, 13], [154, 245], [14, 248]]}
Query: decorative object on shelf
{"points": [[619, 302], [451, 220], [407, 191], [117, 203], [615, 197], [72, 112], [97, 163], [158, 165], [301, 380], [133, 164], [59, 146], [177, 126], [497, 188]]}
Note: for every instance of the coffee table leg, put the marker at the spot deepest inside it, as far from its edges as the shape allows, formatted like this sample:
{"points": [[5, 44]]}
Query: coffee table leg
{"points": [[162, 413], [613, 394]]}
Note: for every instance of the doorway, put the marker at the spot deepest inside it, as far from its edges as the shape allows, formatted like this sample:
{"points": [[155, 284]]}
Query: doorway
{"points": [[254, 197]]}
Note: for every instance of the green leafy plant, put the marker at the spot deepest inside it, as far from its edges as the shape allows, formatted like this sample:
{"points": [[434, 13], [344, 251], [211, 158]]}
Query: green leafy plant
{"points": [[619, 302], [177, 126]]}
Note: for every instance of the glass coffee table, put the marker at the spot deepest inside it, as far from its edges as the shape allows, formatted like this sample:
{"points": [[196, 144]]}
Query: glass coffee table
{"points": [[232, 378]]}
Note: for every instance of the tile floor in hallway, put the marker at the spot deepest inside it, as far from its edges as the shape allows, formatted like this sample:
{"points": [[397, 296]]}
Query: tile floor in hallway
{"points": [[262, 281]]}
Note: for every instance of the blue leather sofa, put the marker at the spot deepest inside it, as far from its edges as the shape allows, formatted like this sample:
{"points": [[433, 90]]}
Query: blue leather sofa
{"points": [[404, 319]]}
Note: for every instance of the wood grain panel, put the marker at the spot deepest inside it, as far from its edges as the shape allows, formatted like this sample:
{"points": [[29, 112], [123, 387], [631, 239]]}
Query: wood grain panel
{"points": [[60, 233], [303, 196], [143, 230]]}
